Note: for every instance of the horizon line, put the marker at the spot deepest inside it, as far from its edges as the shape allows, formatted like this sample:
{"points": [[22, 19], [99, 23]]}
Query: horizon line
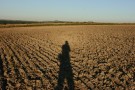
{"points": [[62, 21]]}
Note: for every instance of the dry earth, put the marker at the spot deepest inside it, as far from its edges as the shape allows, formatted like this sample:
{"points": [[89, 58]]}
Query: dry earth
{"points": [[101, 57]]}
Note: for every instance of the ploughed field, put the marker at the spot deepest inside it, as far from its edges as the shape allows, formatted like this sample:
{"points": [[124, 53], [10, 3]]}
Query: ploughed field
{"points": [[102, 57]]}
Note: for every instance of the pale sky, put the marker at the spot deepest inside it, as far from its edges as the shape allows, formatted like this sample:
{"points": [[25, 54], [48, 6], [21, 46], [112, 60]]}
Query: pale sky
{"points": [[69, 10]]}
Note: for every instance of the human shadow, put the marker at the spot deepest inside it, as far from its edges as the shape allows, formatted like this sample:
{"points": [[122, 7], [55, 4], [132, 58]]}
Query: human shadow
{"points": [[3, 80], [65, 68]]}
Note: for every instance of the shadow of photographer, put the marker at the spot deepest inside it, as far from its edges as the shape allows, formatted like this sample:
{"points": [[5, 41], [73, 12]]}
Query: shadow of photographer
{"points": [[65, 69]]}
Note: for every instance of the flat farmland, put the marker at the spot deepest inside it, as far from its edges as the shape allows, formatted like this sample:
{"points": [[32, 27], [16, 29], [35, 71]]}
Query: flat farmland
{"points": [[83, 57]]}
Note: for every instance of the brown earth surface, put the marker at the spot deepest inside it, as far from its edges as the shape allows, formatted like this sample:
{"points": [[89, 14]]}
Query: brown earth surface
{"points": [[101, 57]]}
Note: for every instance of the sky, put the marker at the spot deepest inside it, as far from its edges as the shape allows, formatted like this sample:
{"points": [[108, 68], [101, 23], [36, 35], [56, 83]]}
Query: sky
{"points": [[68, 10]]}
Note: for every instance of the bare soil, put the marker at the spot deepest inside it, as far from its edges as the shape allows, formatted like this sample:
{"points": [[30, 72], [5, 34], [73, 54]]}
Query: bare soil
{"points": [[101, 57]]}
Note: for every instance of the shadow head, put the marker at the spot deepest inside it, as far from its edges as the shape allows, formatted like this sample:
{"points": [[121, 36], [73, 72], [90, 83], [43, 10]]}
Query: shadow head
{"points": [[66, 42]]}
